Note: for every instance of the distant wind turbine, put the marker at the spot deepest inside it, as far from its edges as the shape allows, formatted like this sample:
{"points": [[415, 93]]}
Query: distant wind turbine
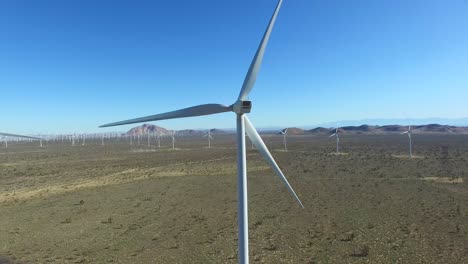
{"points": [[173, 139], [337, 139], [284, 133], [409, 132], [208, 135], [16, 135], [241, 107], [159, 139]]}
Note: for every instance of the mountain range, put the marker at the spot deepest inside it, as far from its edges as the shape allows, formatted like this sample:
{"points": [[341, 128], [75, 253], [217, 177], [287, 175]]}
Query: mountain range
{"points": [[362, 129]]}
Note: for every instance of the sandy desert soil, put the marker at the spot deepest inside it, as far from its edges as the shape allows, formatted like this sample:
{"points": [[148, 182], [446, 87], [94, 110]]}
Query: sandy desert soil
{"points": [[133, 204]]}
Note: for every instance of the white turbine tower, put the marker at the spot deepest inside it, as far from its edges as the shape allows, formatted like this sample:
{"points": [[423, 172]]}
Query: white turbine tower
{"points": [[159, 140], [284, 133], [410, 144], [208, 135], [240, 108], [337, 140], [173, 139], [17, 136]]}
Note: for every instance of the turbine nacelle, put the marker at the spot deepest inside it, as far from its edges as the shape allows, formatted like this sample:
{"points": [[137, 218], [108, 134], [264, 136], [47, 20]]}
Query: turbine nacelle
{"points": [[242, 107]]}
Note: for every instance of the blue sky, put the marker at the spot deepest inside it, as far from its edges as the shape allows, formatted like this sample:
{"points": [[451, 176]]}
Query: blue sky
{"points": [[69, 66]]}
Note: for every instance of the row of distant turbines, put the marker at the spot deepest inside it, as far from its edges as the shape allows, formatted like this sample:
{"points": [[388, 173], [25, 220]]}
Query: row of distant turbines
{"points": [[75, 139], [81, 139], [336, 135]]}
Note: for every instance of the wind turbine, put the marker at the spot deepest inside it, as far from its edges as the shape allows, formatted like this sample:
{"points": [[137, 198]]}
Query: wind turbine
{"points": [[173, 139], [18, 136], [241, 107], [409, 137], [208, 135], [284, 133], [337, 139], [159, 139]]}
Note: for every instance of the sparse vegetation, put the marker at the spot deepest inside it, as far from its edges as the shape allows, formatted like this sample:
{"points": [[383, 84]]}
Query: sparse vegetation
{"points": [[115, 204]]}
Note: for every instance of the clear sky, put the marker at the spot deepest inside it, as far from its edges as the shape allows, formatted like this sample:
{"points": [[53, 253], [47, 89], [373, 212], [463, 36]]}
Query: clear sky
{"points": [[73, 65]]}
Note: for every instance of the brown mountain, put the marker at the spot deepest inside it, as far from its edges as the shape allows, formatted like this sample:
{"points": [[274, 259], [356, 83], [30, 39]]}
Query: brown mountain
{"points": [[147, 128]]}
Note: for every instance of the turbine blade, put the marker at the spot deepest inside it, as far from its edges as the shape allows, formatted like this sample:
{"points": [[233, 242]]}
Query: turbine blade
{"points": [[403, 132], [210, 137], [15, 135], [254, 68], [258, 142], [332, 135], [199, 110]]}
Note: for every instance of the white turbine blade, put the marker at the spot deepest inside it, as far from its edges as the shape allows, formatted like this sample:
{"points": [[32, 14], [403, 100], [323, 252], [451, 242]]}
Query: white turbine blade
{"points": [[404, 132], [332, 135], [260, 145], [210, 137], [254, 68], [199, 110], [15, 135]]}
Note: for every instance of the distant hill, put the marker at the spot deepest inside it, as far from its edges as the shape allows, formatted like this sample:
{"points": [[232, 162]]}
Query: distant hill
{"points": [[148, 128], [414, 121], [420, 129], [387, 129]]}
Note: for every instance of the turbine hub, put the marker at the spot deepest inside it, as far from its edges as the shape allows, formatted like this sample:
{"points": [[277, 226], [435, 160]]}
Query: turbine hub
{"points": [[242, 107]]}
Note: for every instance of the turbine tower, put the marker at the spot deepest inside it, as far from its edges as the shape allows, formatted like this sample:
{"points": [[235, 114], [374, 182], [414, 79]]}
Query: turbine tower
{"points": [[208, 135], [284, 133], [173, 139], [240, 107], [410, 144], [337, 140], [159, 140]]}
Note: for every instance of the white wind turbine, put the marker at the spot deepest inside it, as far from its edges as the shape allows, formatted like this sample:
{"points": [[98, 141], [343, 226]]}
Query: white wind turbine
{"points": [[240, 108], [284, 133], [5, 135], [337, 140], [173, 139], [159, 139], [410, 144], [208, 135]]}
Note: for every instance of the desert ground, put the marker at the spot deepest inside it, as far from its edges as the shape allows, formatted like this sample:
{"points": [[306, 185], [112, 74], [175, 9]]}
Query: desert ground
{"points": [[137, 204]]}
